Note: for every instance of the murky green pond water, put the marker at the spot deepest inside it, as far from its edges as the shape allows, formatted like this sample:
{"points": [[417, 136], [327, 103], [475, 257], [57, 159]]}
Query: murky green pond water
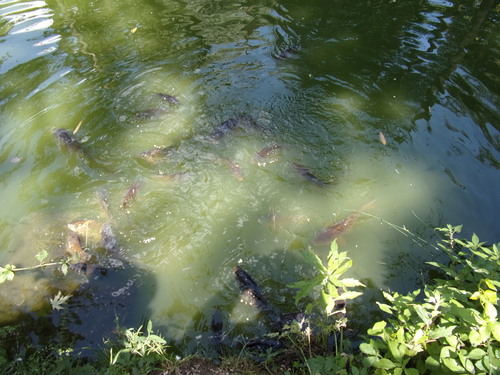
{"points": [[318, 80]]}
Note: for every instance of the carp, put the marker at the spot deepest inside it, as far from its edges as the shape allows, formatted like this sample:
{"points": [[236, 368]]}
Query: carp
{"points": [[168, 98], [251, 290], [235, 168], [108, 240], [75, 251], [102, 199], [228, 126], [155, 154], [67, 138], [265, 153], [328, 234], [87, 229], [308, 175], [130, 194]]}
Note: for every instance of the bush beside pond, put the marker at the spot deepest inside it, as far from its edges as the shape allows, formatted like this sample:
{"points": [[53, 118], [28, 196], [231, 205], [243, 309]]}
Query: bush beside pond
{"points": [[449, 327]]}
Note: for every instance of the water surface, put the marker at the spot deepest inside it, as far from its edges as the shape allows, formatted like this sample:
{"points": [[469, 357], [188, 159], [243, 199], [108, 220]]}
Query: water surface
{"points": [[320, 79]]}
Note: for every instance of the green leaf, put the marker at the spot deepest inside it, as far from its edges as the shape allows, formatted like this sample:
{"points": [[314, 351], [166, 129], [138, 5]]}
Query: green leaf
{"points": [[6, 273], [441, 332], [311, 258], [351, 283], [475, 338], [384, 363], [476, 354], [349, 295], [64, 268], [388, 296], [490, 311], [40, 256], [411, 371], [453, 365], [394, 349], [369, 361], [384, 307], [489, 284], [495, 330], [367, 349], [423, 314], [432, 363], [377, 328]]}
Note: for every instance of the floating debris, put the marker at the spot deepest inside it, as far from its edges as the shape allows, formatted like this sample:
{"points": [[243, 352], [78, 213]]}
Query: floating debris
{"points": [[381, 138]]}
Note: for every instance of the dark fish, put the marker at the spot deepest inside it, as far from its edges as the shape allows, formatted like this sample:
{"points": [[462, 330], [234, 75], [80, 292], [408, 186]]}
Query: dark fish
{"points": [[217, 328], [67, 138], [102, 199], [130, 194], [155, 154], [288, 52], [229, 125], [308, 175], [249, 288], [327, 235], [152, 114], [108, 239], [235, 168], [265, 153], [168, 98]]}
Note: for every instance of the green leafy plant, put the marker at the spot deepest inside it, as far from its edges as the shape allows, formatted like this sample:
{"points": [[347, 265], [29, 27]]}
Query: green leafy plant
{"points": [[149, 347], [455, 329], [8, 272], [332, 288], [329, 290]]}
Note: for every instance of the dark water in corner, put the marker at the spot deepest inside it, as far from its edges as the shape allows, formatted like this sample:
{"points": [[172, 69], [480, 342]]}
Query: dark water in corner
{"points": [[321, 79]]}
